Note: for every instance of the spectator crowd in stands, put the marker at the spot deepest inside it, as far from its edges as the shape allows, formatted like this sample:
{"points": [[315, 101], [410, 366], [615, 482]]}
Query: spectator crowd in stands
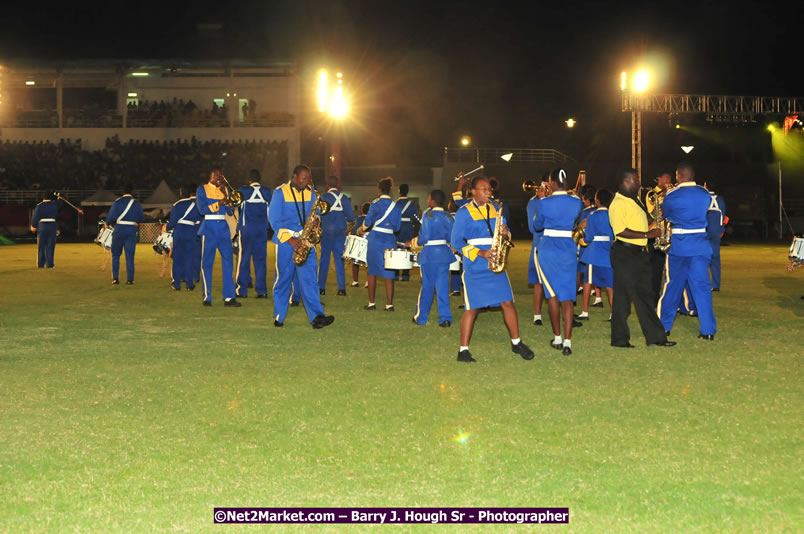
{"points": [[65, 165]]}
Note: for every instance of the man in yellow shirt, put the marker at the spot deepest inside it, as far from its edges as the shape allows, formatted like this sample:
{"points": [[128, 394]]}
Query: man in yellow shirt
{"points": [[631, 265]]}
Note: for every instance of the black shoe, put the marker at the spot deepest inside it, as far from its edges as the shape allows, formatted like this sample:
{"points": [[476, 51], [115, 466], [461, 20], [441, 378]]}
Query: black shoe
{"points": [[715, 289], [576, 324], [445, 324], [322, 291], [206, 303], [189, 288], [567, 351], [115, 282], [232, 303], [371, 307], [537, 322], [557, 347], [708, 337], [391, 308], [465, 356], [667, 333], [341, 292], [323, 320], [129, 282], [262, 296], [580, 318], [241, 296], [294, 304], [626, 346], [580, 291], [523, 350], [278, 324], [598, 304], [665, 344]]}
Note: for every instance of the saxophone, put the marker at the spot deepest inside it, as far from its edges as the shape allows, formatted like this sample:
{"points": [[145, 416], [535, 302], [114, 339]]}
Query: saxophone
{"points": [[663, 241], [501, 243], [311, 233]]}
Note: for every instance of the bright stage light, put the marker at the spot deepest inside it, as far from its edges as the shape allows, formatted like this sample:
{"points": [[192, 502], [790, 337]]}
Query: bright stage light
{"points": [[507, 157], [687, 149], [139, 74], [30, 82], [770, 127], [570, 123], [322, 91], [465, 140], [340, 104], [641, 81], [623, 81]]}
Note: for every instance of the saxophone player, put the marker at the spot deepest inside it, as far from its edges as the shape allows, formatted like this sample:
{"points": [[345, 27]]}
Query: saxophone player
{"points": [[291, 205], [473, 234], [558, 257], [664, 182]]}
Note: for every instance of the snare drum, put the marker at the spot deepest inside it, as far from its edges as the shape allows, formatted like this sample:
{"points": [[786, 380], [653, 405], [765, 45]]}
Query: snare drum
{"points": [[797, 250], [455, 266], [355, 249], [398, 259], [104, 238], [163, 243]]}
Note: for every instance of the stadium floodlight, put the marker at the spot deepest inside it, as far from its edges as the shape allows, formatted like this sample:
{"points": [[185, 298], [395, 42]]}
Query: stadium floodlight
{"points": [[570, 123], [30, 82], [466, 140], [132, 95], [507, 157], [641, 81], [687, 149], [139, 74], [340, 104]]}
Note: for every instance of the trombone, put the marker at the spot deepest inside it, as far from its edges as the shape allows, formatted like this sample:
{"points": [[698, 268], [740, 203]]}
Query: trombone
{"points": [[234, 196], [470, 172]]}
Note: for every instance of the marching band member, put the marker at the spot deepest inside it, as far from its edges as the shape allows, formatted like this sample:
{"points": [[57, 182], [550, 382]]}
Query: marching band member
{"points": [[631, 266], [44, 224], [434, 259], [533, 272], [184, 220], [588, 199], [408, 215], [460, 198], [364, 209], [213, 203], [291, 206], [657, 258], [252, 244], [472, 234], [558, 256], [125, 214], [688, 259], [333, 236], [382, 220], [596, 254], [715, 226]]}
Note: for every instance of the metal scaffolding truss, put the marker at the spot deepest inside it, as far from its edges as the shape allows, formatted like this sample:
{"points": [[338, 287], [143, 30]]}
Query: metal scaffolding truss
{"points": [[493, 155], [717, 107]]}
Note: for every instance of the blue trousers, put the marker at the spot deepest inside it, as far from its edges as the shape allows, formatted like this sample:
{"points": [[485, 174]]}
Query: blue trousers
{"points": [[195, 266], [217, 238], [332, 244], [714, 265], [286, 270], [252, 247], [680, 271], [124, 238], [435, 278], [183, 248], [46, 241]]}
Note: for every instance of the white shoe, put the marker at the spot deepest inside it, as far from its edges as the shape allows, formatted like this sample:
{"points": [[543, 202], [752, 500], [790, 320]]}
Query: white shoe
{"points": [[355, 284]]}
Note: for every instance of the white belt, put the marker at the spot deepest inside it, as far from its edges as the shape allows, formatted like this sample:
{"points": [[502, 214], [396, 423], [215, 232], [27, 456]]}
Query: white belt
{"points": [[383, 230], [127, 223], [294, 234], [47, 220], [679, 231], [479, 241], [405, 219], [256, 201], [436, 242], [214, 217], [548, 232], [189, 223], [601, 238]]}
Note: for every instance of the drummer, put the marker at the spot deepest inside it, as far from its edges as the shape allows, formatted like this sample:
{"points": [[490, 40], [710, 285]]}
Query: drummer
{"points": [[382, 220], [434, 259], [364, 208], [184, 218]]}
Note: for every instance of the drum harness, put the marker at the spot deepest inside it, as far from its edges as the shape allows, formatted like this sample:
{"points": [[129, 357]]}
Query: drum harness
{"points": [[255, 198]]}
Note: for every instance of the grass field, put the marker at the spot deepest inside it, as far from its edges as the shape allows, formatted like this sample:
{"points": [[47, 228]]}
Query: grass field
{"points": [[130, 409]]}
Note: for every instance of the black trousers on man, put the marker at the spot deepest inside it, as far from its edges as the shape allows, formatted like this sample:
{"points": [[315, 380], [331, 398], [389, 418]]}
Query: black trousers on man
{"points": [[632, 282]]}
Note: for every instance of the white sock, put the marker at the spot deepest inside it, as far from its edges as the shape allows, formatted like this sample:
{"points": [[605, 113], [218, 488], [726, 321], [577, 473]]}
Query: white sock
{"points": [[609, 317], [371, 304], [583, 314], [463, 348], [537, 317], [226, 300], [567, 343], [557, 340], [598, 299], [389, 306], [515, 341]]}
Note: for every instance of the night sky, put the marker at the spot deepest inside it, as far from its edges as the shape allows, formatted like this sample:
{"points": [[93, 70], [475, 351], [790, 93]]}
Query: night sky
{"points": [[425, 73]]}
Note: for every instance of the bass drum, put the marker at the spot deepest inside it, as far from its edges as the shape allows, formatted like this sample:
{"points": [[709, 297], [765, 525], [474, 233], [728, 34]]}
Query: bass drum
{"points": [[355, 250], [104, 238]]}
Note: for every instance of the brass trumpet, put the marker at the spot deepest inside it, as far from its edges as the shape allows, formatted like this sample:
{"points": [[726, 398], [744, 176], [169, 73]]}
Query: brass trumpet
{"points": [[529, 186], [234, 196]]}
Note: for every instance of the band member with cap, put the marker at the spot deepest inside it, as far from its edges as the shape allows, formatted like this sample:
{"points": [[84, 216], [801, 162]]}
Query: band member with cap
{"points": [[585, 285], [43, 222], [184, 220], [686, 206], [409, 217], [291, 206], [125, 215], [252, 241], [333, 235], [558, 256], [533, 272], [664, 182], [631, 265], [382, 221], [597, 250], [214, 205], [472, 234], [364, 209], [434, 259], [716, 220]]}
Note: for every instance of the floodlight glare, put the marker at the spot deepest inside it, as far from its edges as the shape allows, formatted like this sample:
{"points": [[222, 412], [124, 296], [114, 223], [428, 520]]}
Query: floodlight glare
{"points": [[30, 82], [507, 157], [770, 127], [322, 91], [132, 95], [465, 140], [687, 149], [340, 104], [641, 81], [570, 123], [623, 80], [139, 74]]}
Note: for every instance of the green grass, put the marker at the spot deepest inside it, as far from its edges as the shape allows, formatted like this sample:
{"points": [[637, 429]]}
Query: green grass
{"points": [[128, 409]]}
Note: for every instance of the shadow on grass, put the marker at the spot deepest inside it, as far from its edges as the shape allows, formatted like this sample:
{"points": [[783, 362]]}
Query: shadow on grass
{"points": [[789, 297]]}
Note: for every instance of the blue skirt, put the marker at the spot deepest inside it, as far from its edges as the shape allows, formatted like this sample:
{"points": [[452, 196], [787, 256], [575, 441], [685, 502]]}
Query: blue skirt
{"points": [[375, 254], [602, 276], [483, 288], [558, 268]]}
